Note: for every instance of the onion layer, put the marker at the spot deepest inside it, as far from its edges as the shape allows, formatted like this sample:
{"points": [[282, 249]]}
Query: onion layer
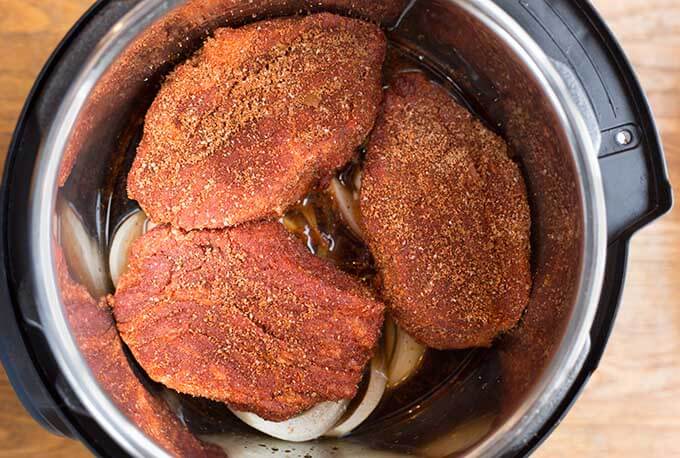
{"points": [[82, 252], [132, 228], [307, 426], [406, 358], [370, 400], [348, 204]]}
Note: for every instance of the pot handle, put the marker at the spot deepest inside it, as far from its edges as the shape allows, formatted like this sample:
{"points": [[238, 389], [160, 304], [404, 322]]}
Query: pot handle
{"points": [[606, 89]]}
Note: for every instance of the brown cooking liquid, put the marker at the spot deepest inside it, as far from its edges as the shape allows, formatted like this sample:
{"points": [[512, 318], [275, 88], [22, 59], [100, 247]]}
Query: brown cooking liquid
{"points": [[450, 390], [317, 222]]}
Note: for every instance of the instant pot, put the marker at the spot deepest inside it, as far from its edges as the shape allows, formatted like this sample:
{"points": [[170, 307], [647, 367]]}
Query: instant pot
{"points": [[547, 74]]}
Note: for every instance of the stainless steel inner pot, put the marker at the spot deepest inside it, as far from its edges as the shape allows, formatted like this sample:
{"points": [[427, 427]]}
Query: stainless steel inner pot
{"points": [[533, 101]]}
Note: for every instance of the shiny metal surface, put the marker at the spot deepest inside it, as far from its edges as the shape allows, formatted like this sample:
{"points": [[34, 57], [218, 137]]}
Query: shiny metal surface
{"points": [[569, 357], [43, 219], [558, 155]]}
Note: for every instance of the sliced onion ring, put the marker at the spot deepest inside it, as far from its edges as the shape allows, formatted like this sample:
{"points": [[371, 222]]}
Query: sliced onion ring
{"points": [[149, 225], [132, 228], [307, 426], [82, 252], [357, 182], [347, 204], [371, 398], [389, 338], [406, 358]]}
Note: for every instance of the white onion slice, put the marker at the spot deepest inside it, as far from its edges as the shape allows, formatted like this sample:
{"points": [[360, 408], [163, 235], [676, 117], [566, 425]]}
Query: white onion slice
{"points": [[406, 358], [348, 205], [357, 183], [307, 426], [389, 338], [371, 398], [149, 225], [132, 228], [309, 214], [82, 252]]}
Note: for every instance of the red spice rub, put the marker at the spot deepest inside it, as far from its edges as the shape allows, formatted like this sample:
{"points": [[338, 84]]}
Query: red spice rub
{"points": [[245, 316], [98, 340], [446, 216], [247, 126]]}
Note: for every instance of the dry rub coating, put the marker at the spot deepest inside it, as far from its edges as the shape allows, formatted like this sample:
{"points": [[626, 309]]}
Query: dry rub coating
{"points": [[245, 316], [185, 24], [260, 114], [446, 216], [98, 340]]}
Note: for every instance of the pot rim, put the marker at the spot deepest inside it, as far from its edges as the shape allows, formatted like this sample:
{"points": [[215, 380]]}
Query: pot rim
{"points": [[555, 380], [568, 360]]}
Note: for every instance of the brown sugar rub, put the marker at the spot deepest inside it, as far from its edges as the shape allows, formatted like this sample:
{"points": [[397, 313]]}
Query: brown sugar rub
{"points": [[98, 340], [259, 115], [446, 216], [245, 316]]}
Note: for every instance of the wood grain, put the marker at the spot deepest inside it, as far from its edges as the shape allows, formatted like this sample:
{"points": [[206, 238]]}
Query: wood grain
{"points": [[631, 407]]}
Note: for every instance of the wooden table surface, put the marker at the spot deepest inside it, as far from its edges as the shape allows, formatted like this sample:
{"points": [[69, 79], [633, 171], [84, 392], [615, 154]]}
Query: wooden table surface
{"points": [[631, 407]]}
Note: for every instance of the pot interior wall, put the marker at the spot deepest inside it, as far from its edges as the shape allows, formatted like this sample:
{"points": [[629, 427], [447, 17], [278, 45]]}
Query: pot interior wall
{"points": [[499, 88]]}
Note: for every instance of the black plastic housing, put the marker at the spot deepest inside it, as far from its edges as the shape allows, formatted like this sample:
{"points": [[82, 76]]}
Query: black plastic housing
{"points": [[570, 31]]}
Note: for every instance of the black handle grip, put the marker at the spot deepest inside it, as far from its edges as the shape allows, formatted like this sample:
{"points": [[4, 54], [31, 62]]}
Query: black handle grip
{"points": [[631, 157]]}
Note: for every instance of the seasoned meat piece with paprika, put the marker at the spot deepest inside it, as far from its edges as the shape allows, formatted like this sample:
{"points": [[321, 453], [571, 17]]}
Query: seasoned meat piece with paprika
{"points": [[246, 316], [95, 333], [256, 118], [445, 214]]}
